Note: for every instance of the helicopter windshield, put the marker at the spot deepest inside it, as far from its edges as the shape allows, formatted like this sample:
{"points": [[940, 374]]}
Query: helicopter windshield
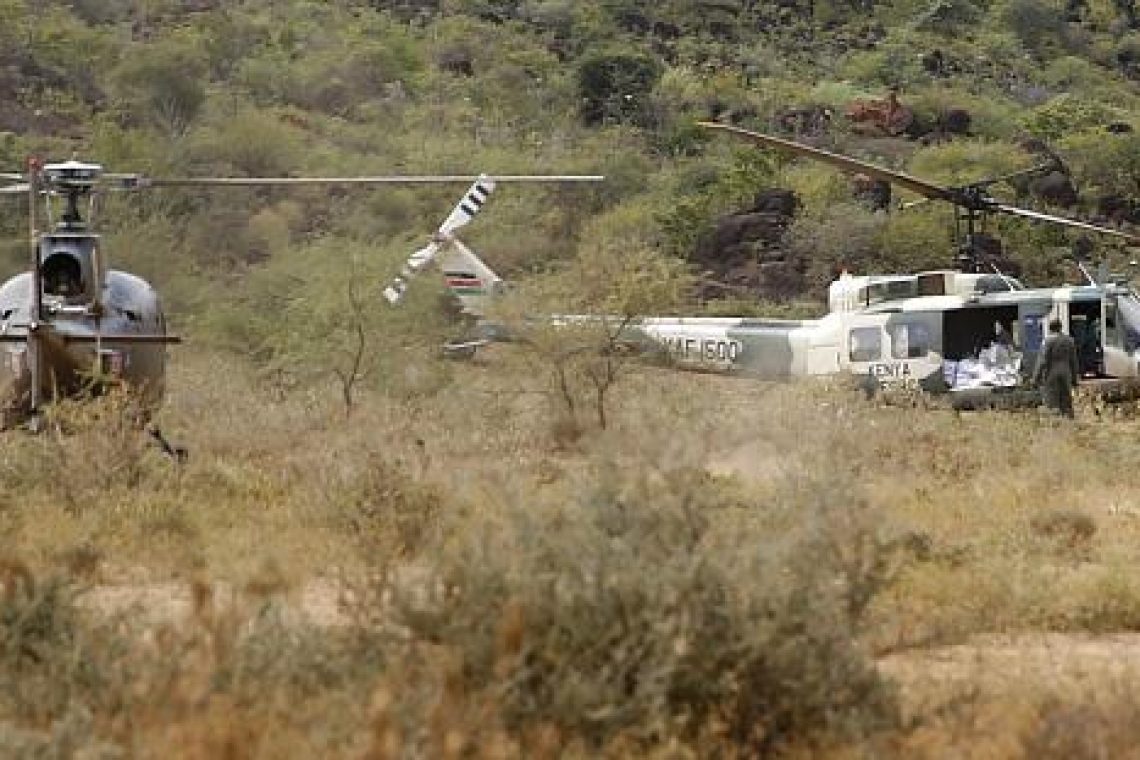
{"points": [[1130, 320]]}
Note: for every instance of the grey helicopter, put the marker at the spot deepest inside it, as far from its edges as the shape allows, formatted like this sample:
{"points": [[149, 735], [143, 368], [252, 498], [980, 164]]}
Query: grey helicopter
{"points": [[970, 330], [72, 326]]}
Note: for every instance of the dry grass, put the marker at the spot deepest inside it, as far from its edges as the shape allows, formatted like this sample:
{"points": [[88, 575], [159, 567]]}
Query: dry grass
{"points": [[713, 569]]}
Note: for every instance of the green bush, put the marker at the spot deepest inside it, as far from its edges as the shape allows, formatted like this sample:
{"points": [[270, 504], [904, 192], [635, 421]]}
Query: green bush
{"points": [[1065, 115], [1038, 24], [1105, 164], [250, 143], [614, 86], [549, 609], [707, 190], [162, 83], [838, 237]]}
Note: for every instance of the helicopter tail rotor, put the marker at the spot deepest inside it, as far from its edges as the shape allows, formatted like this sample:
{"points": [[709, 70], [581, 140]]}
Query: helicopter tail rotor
{"points": [[459, 217], [417, 261]]}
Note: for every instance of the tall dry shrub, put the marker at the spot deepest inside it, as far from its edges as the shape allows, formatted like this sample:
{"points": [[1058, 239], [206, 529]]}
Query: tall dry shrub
{"points": [[234, 677], [90, 447], [656, 602]]}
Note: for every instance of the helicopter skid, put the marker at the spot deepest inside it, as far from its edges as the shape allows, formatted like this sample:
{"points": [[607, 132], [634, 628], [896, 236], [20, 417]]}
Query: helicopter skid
{"points": [[1001, 399], [1095, 391]]}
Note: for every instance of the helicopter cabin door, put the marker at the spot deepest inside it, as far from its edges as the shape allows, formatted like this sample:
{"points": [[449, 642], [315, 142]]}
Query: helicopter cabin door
{"points": [[1032, 327], [894, 349], [1086, 326], [1115, 339]]}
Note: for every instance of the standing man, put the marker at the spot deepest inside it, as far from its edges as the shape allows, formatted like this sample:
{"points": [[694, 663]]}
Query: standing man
{"points": [[1057, 372]]}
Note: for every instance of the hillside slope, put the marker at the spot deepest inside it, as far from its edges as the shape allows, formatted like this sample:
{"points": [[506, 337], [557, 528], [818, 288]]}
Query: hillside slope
{"points": [[200, 87]]}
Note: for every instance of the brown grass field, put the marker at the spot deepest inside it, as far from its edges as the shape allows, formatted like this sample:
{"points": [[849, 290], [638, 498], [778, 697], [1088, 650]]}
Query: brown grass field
{"points": [[730, 569]]}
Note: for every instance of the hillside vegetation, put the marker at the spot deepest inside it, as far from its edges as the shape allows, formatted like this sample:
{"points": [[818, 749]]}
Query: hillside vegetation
{"points": [[553, 551], [203, 88]]}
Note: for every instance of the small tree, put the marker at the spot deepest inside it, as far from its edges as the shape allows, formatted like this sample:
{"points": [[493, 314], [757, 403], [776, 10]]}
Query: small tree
{"points": [[312, 316], [351, 368], [615, 85], [605, 291], [165, 83]]}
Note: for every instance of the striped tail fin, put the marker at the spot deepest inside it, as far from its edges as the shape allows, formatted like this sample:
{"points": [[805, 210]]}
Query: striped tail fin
{"points": [[470, 280], [459, 217]]}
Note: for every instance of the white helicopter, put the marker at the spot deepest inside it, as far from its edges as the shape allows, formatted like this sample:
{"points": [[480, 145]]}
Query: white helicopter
{"points": [[960, 330]]}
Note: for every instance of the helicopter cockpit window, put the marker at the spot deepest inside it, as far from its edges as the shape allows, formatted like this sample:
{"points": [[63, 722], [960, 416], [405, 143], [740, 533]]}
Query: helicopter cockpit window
{"points": [[891, 290], [866, 344], [62, 275], [909, 341], [997, 283]]}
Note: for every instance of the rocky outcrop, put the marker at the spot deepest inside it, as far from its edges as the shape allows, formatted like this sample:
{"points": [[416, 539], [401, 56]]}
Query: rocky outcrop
{"points": [[744, 251]]}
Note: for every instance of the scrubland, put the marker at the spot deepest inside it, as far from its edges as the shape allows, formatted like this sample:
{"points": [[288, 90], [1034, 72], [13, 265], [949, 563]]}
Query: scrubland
{"points": [[424, 559], [729, 568]]}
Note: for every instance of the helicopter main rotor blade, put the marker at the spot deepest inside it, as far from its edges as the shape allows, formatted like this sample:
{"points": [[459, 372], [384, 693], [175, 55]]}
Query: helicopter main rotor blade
{"points": [[914, 184], [142, 182], [14, 189], [1041, 217], [13, 177]]}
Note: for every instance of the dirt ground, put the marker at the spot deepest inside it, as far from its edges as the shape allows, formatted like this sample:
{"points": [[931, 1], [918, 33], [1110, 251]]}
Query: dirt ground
{"points": [[994, 664], [988, 665], [316, 602]]}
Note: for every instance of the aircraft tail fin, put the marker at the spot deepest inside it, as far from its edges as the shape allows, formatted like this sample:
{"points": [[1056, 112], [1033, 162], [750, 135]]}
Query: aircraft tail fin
{"points": [[468, 278], [444, 238]]}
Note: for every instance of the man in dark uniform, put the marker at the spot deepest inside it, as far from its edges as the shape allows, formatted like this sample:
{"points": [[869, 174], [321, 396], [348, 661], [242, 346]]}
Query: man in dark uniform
{"points": [[1057, 372]]}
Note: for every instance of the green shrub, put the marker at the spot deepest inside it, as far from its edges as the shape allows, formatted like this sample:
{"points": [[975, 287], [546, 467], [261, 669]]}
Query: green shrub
{"points": [[1105, 164], [164, 84], [250, 143], [842, 236], [1065, 115], [42, 654], [614, 86], [707, 190], [1038, 24], [550, 609]]}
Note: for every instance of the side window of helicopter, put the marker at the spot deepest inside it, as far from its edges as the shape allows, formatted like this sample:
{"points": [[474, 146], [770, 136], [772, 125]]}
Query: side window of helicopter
{"points": [[1033, 331], [909, 341], [866, 344]]}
